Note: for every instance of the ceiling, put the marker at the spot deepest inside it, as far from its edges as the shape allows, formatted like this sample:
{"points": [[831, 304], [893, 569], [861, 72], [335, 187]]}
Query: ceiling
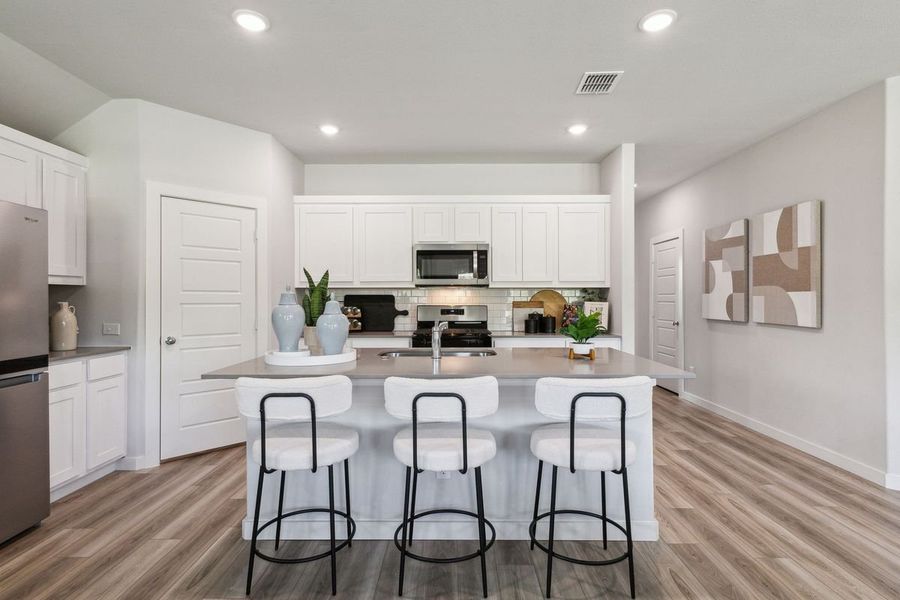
{"points": [[477, 80]]}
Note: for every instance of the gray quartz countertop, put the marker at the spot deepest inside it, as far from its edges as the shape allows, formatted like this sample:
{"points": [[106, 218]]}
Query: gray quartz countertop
{"points": [[522, 334], [508, 363], [382, 334], [85, 351]]}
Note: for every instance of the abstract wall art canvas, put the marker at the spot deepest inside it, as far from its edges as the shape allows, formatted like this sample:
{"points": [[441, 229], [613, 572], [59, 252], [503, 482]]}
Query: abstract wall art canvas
{"points": [[787, 266], [725, 278]]}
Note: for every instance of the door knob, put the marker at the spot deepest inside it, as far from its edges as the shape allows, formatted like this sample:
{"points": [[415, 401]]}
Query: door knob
{"points": [[169, 341], [674, 324]]}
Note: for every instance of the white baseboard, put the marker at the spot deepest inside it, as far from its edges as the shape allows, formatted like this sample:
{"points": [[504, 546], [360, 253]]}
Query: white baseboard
{"points": [[830, 456], [72, 486], [293, 528], [892, 481], [136, 463]]}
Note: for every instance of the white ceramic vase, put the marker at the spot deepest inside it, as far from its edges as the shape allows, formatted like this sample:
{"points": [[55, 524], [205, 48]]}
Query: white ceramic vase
{"points": [[63, 328], [332, 328], [288, 320]]}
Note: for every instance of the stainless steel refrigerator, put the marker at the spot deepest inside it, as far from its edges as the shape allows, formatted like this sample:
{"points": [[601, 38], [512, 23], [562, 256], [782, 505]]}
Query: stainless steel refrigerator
{"points": [[24, 402]]}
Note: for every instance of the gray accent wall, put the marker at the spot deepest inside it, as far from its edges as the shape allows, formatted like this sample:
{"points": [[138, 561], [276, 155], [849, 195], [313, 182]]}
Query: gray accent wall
{"points": [[823, 390]]}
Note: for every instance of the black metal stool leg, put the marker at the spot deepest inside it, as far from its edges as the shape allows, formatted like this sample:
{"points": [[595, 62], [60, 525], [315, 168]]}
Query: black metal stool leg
{"points": [[628, 531], [259, 489], [280, 510], [479, 496], [552, 524], [331, 523], [603, 504], [412, 509], [347, 497], [537, 496], [403, 537]]}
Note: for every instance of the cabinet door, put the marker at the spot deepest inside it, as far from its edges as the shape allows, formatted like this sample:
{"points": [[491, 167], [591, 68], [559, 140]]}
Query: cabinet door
{"points": [[472, 223], [67, 459], [19, 174], [584, 244], [433, 223], [538, 243], [384, 244], [506, 243], [323, 239], [63, 199], [105, 420]]}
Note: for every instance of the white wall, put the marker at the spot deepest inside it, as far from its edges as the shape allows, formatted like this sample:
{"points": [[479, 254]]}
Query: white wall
{"points": [[821, 390], [580, 178], [892, 279], [617, 179], [130, 142]]}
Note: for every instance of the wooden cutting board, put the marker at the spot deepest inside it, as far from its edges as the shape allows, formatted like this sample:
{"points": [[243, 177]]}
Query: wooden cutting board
{"points": [[554, 302]]}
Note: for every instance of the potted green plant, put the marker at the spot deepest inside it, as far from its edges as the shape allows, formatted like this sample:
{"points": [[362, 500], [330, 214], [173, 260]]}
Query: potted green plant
{"points": [[313, 304], [581, 330]]}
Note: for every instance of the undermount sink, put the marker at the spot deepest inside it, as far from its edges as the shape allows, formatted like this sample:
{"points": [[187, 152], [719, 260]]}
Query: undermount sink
{"points": [[426, 352]]}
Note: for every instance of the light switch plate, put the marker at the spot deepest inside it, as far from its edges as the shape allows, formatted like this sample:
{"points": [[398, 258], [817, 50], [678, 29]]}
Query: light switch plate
{"points": [[112, 329]]}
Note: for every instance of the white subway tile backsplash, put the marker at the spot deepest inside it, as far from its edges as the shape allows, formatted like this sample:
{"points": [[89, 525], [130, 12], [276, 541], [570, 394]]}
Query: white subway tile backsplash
{"points": [[498, 300]]}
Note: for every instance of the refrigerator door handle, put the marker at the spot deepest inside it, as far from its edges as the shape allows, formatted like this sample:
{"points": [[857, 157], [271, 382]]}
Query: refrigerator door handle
{"points": [[20, 380]]}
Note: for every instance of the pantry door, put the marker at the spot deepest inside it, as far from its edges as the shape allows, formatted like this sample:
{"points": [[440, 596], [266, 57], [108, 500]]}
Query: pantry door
{"points": [[208, 320], [666, 339]]}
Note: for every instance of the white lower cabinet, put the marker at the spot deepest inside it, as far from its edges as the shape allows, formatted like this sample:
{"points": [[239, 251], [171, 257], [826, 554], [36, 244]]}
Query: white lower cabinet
{"points": [[551, 341], [67, 457], [88, 400], [379, 342]]}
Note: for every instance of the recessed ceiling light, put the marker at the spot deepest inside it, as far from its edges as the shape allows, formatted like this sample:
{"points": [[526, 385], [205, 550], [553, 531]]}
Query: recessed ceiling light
{"points": [[577, 128], [250, 20], [329, 129], [657, 20]]}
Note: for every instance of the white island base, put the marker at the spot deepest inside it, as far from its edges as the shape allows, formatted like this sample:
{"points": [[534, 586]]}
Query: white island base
{"points": [[377, 480]]}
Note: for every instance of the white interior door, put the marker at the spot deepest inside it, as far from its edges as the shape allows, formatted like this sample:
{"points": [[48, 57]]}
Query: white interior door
{"points": [[208, 320], [665, 310]]}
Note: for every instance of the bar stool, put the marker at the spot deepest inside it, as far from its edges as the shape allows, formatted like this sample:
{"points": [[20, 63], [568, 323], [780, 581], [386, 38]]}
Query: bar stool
{"points": [[594, 447], [440, 440], [298, 441]]}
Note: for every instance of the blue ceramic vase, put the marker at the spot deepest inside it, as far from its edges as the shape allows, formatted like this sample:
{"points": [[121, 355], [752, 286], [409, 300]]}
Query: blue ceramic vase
{"points": [[288, 320], [332, 328]]}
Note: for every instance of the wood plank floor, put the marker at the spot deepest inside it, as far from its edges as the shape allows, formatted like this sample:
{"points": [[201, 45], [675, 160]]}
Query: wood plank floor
{"points": [[741, 516]]}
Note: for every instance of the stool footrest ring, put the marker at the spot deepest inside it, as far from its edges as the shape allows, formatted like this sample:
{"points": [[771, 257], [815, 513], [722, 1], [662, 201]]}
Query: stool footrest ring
{"points": [[453, 559], [595, 563], [305, 559]]}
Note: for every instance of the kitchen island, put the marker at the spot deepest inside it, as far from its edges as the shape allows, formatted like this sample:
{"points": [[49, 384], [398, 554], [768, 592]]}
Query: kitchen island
{"points": [[376, 477]]}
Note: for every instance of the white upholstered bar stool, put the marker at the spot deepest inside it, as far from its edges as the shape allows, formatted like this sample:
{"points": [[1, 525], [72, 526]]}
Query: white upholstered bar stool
{"points": [[591, 439], [440, 440], [293, 439]]}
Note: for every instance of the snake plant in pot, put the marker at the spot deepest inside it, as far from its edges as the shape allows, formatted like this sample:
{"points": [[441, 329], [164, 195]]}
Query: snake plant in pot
{"points": [[313, 304], [581, 330]]}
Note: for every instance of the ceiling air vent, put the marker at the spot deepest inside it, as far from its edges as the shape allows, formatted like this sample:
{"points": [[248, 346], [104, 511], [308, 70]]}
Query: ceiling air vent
{"points": [[598, 82]]}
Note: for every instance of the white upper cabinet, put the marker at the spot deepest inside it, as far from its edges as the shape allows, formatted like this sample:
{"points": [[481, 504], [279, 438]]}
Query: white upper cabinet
{"points": [[472, 223], [539, 243], [323, 239], [384, 244], [41, 175], [19, 174], [433, 223], [64, 200], [506, 243], [367, 241], [584, 244]]}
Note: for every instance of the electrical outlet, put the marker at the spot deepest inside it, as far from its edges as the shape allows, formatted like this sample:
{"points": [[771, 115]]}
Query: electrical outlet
{"points": [[112, 329], [443, 474]]}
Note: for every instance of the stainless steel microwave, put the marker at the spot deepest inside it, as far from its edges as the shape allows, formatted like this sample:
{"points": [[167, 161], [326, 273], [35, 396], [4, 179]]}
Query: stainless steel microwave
{"points": [[451, 264]]}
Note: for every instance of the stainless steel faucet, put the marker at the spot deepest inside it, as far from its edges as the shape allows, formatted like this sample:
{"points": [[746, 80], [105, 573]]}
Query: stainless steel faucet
{"points": [[436, 338]]}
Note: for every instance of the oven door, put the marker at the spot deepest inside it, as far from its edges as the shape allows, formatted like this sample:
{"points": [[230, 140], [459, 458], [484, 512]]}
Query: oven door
{"points": [[451, 264]]}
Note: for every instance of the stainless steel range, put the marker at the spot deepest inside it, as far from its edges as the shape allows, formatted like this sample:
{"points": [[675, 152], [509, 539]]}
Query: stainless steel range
{"points": [[467, 326]]}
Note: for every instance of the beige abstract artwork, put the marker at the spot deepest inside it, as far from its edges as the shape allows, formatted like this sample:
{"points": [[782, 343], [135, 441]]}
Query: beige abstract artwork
{"points": [[787, 266], [725, 278]]}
